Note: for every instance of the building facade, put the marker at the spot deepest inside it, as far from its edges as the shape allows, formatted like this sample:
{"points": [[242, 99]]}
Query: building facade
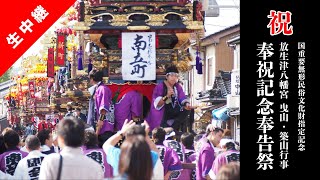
{"points": [[219, 59]]}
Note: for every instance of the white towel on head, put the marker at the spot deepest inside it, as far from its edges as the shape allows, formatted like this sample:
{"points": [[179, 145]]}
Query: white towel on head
{"points": [[170, 135]]}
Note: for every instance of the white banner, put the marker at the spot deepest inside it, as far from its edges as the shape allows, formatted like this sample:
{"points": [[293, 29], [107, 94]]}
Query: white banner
{"points": [[235, 83], [139, 56]]}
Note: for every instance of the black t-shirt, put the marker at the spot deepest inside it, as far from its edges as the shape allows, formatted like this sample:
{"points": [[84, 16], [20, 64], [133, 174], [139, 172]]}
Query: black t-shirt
{"points": [[172, 111]]}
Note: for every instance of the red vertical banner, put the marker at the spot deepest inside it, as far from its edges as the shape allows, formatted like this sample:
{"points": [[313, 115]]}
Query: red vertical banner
{"points": [[20, 96], [61, 50], [26, 23], [50, 63], [31, 89]]}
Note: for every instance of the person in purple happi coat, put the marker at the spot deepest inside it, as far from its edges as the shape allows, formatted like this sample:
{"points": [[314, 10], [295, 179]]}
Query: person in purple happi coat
{"points": [[170, 106], [187, 141], [102, 96], [96, 153], [206, 154], [128, 107], [169, 158], [229, 154], [11, 157]]}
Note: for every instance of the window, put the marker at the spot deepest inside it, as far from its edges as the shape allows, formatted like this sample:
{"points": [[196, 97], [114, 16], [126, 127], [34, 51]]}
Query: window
{"points": [[210, 72]]}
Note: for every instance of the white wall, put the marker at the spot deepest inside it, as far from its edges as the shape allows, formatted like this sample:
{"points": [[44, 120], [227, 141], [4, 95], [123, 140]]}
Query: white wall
{"points": [[3, 108], [210, 54], [234, 101], [197, 80]]}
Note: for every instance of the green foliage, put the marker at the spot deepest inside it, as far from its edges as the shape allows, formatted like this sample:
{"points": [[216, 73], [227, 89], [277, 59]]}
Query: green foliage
{"points": [[6, 76]]}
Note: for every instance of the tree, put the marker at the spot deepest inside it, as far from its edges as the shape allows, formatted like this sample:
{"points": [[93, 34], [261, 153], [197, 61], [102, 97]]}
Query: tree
{"points": [[6, 76]]}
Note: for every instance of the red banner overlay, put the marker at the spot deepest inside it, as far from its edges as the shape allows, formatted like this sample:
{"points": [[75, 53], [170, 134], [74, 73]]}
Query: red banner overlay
{"points": [[23, 23], [61, 50], [31, 89], [50, 63]]}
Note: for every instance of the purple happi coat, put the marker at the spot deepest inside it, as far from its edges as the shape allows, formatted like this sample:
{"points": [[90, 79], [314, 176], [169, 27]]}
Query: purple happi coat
{"points": [[204, 160], [10, 159], [190, 157], [225, 158], [169, 159], [155, 115], [130, 105], [186, 156], [177, 147], [103, 96], [100, 156]]}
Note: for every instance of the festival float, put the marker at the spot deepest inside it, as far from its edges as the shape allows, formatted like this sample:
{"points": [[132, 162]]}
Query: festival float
{"points": [[133, 42], [29, 96], [70, 86], [40, 83]]}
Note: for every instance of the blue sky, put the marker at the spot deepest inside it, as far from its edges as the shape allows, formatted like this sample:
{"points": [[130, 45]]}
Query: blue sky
{"points": [[229, 16]]}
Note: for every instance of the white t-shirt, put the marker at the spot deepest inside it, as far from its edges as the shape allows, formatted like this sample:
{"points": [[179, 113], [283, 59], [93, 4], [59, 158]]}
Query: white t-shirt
{"points": [[4, 176], [29, 167], [158, 170]]}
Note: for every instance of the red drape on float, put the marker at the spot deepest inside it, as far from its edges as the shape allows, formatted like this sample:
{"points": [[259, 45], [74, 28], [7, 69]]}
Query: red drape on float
{"points": [[61, 50], [50, 63], [145, 89]]}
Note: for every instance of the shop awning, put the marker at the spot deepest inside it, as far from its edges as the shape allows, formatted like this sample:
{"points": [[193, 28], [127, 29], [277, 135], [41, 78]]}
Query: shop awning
{"points": [[221, 114]]}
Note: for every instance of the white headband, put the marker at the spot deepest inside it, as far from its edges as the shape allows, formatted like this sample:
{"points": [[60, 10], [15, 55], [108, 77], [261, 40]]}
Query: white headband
{"points": [[169, 73]]}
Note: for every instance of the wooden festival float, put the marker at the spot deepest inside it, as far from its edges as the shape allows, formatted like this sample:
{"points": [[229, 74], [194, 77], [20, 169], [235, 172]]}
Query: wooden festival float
{"points": [[109, 30]]}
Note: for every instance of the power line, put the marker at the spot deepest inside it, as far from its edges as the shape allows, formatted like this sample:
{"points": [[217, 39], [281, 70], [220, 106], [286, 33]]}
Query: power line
{"points": [[214, 25]]}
